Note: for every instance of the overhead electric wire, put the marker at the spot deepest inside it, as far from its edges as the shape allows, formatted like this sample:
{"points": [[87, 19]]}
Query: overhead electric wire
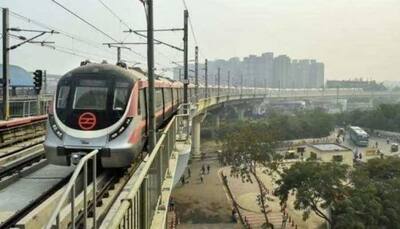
{"points": [[190, 23], [58, 49], [113, 13], [92, 25], [130, 28], [64, 33], [192, 28], [84, 20]]}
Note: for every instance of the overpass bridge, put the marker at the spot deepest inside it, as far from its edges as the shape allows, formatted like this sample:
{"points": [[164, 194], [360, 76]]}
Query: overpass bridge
{"points": [[144, 198], [144, 207]]}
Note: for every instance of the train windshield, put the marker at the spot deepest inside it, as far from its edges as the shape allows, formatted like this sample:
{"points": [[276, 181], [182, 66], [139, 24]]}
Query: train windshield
{"points": [[103, 96], [90, 98]]}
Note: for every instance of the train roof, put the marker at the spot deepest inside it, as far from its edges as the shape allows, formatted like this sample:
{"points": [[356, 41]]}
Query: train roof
{"points": [[133, 73], [106, 69]]}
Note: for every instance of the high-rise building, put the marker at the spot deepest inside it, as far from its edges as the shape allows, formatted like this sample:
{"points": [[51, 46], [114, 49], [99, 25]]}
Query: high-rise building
{"points": [[263, 71], [281, 72]]}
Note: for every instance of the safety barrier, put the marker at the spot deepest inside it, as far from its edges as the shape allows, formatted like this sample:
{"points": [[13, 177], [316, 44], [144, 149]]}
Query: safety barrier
{"points": [[138, 208], [27, 106], [71, 191]]}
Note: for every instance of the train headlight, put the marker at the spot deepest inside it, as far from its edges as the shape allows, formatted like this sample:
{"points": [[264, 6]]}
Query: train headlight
{"points": [[121, 129], [54, 127]]}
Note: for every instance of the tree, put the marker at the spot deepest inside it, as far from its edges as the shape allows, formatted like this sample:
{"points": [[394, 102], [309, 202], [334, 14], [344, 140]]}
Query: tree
{"points": [[246, 146], [374, 198], [369, 199], [317, 186]]}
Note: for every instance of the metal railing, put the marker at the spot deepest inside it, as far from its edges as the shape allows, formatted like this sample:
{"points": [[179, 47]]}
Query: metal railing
{"points": [[28, 106], [137, 209], [71, 191]]}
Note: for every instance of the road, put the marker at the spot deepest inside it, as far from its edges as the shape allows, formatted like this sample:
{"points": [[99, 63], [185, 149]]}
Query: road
{"points": [[383, 146]]}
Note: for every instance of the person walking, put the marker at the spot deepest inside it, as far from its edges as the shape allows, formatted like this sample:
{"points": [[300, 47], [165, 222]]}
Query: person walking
{"points": [[183, 180], [203, 169], [208, 169]]}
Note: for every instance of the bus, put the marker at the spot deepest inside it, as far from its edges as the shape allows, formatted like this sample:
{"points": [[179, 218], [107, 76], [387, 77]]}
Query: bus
{"points": [[358, 136]]}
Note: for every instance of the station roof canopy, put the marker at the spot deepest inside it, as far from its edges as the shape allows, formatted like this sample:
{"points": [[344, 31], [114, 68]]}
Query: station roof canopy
{"points": [[19, 77]]}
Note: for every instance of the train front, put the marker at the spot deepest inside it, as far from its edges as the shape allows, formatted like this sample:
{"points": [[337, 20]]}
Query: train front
{"points": [[92, 110]]}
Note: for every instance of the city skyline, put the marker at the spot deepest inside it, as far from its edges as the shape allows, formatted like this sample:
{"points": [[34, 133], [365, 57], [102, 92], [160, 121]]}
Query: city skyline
{"points": [[265, 70]]}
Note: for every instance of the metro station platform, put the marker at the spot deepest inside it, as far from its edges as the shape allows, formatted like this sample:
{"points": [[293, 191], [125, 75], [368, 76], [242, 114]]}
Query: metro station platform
{"points": [[20, 121]]}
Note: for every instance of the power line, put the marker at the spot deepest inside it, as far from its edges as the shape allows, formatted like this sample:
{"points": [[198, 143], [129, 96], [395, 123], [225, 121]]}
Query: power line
{"points": [[130, 28], [84, 20], [91, 25], [192, 30], [190, 23], [60, 49], [64, 33], [113, 13]]}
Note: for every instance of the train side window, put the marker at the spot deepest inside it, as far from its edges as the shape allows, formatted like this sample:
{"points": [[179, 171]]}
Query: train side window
{"points": [[171, 91], [167, 95], [142, 105], [159, 98], [62, 97], [175, 95]]}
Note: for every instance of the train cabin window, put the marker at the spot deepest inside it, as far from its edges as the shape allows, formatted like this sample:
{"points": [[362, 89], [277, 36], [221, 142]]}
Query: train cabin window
{"points": [[159, 98], [120, 97], [62, 97]]}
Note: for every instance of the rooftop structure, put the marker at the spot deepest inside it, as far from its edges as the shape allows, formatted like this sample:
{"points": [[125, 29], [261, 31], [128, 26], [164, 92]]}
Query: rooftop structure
{"points": [[329, 147], [329, 152], [19, 77]]}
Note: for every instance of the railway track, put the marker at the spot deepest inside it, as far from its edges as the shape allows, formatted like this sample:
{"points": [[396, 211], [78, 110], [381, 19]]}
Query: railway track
{"points": [[20, 160], [110, 183]]}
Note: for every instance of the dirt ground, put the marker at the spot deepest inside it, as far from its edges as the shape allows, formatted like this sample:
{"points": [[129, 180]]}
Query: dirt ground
{"points": [[203, 204]]}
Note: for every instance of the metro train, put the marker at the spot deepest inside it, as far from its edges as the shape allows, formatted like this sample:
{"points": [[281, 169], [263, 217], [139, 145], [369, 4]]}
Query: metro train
{"points": [[104, 106]]}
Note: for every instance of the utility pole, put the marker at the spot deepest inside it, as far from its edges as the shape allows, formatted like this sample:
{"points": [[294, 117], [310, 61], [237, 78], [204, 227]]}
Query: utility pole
{"points": [[206, 77], [150, 75], [229, 83], [118, 54], [196, 71], [6, 43], [121, 45], [218, 80], [185, 56]]}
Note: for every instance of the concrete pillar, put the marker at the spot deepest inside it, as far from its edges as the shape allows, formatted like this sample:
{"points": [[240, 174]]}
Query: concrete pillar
{"points": [[241, 114], [196, 139]]}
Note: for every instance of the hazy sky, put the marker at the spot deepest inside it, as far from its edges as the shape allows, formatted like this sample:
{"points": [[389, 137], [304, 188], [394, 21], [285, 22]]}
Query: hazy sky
{"points": [[354, 38]]}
